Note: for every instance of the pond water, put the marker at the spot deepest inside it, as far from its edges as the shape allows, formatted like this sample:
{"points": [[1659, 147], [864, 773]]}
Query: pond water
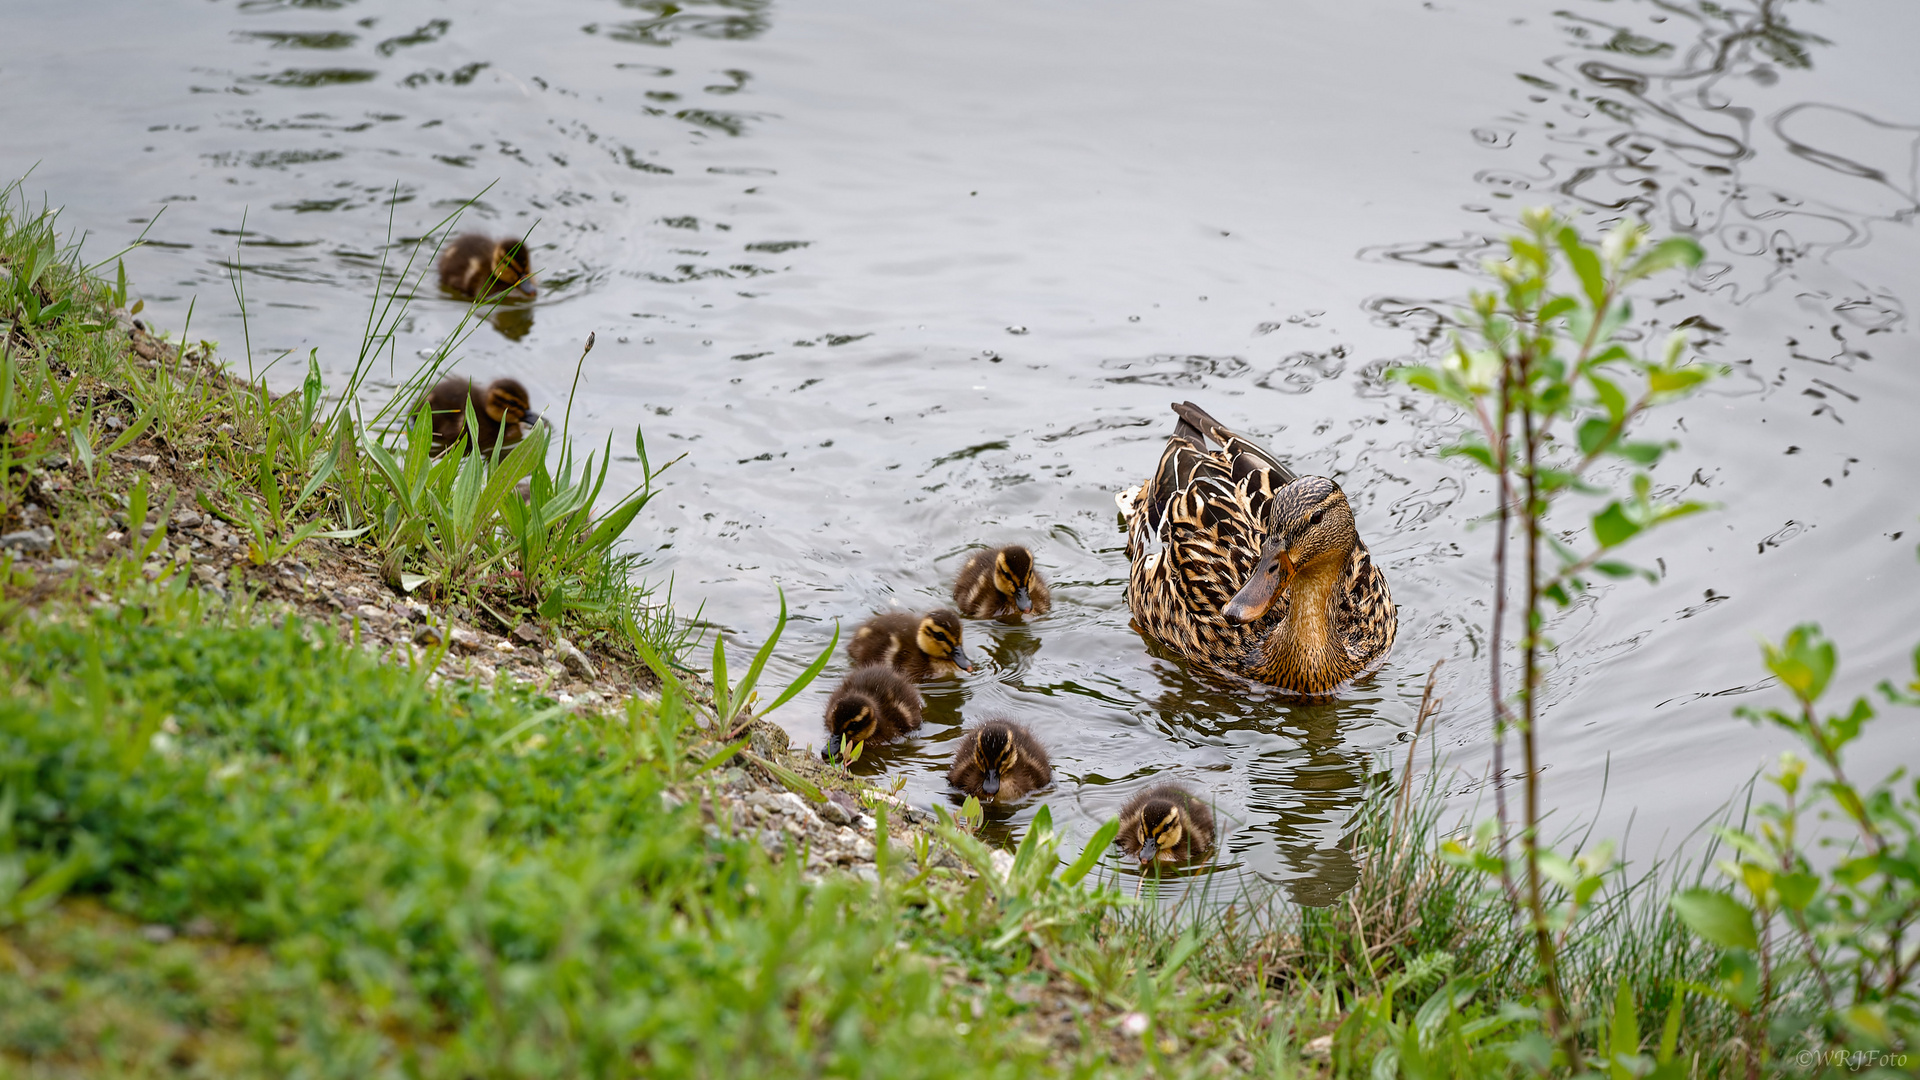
{"points": [[900, 279]]}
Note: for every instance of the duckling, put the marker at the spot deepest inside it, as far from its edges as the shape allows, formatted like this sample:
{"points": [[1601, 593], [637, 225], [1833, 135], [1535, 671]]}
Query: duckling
{"points": [[1166, 822], [1000, 761], [478, 265], [1000, 582], [874, 704], [917, 646], [500, 409]]}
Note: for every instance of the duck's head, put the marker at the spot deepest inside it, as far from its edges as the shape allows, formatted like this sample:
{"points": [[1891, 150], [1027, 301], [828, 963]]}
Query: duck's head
{"points": [[1163, 824], [1013, 575], [1310, 521], [853, 720], [511, 266], [508, 403], [939, 637], [995, 754]]}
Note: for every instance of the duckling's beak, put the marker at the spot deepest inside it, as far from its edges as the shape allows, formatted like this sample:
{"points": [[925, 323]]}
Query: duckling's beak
{"points": [[1148, 850], [530, 419], [832, 752], [960, 659], [991, 785], [526, 286], [1021, 600], [1256, 596]]}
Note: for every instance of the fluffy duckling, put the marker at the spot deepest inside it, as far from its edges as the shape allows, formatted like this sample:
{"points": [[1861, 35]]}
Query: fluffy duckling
{"points": [[1000, 582], [1000, 761], [917, 646], [500, 410], [1168, 823], [478, 265], [874, 704]]}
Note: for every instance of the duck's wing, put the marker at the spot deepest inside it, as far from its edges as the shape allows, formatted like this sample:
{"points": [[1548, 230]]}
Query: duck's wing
{"points": [[1194, 538]]}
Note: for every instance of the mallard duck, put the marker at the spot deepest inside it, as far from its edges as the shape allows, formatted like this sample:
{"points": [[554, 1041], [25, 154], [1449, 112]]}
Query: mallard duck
{"points": [[500, 411], [1166, 822], [917, 646], [1000, 761], [872, 705], [1000, 582], [1240, 565], [478, 265]]}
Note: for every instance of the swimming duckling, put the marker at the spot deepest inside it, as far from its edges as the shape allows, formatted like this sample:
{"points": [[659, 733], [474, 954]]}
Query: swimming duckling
{"points": [[1000, 761], [478, 265], [1000, 582], [500, 410], [1166, 822], [917, 646], [874, 704]]}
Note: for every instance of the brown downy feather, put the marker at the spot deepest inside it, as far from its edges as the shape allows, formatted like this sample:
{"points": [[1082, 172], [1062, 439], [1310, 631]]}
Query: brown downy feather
{"points": [[872, 705], [917, 646], [500, 410], [1000, 582], [478, 265], [1240, 565], [1000, 761], [1166, 823]]}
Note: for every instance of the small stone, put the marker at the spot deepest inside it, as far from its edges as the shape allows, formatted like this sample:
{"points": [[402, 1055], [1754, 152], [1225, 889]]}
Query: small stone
{"points": [[1002, 863], [157, 933], [1319, 1047], [188, 519], [833, 813], [429, 635], [114, 423], [65, 566], [573, 659], [866, 871], [792, 804], [528, 633], [55, 462], [466, 640], [35, 539]]}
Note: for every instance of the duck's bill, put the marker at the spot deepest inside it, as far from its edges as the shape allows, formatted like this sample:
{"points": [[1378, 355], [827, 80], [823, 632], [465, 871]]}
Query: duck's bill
{"points": [[530, 419], [526, 286], [1148, 850], [991, 785], [1021, 600], [960, 660], [1257, 595]]}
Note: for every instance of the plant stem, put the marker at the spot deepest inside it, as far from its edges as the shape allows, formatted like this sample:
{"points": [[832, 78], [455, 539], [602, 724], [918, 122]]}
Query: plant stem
{"points": [[1545, 953]]}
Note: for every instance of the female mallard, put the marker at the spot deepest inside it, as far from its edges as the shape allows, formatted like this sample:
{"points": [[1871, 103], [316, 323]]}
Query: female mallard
{"points": [[1167, 823], [1243, 566], [1000, 582], [478, 265]]}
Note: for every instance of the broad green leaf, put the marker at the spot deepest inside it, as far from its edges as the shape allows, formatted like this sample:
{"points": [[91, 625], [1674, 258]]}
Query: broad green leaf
{"points": [[1612, 526], [1803, 662], [1797, 889], [1586, 266], [1717, 917], [1595, 433], [1641, 453], [1668, 253], [1089, 855]]}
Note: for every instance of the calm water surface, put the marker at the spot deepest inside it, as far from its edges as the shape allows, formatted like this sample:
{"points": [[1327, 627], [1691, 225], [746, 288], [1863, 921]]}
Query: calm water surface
{"points": [[905, 278]]}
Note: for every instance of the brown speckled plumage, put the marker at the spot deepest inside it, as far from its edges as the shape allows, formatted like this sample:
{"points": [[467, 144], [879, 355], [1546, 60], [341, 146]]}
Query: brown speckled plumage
{"points": [[1202, 526], [478, 265], [1177, 825], [917, 646], [991, 584], [1000, 761], [872, 704]]}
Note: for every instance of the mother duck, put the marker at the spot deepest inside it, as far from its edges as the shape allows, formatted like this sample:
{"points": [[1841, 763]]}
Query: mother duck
{"points": [[1243, 566]]}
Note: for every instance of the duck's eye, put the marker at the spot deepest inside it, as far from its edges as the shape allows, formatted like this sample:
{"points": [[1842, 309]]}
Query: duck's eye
{"points": [[1318, 516]]}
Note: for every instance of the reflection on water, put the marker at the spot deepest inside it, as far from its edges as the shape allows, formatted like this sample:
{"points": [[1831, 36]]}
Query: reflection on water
{"points": [[905, 279]]}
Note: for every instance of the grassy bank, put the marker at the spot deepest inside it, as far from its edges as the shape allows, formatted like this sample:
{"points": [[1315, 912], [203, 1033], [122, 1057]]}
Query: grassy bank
{"points": [[322, 757]]}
